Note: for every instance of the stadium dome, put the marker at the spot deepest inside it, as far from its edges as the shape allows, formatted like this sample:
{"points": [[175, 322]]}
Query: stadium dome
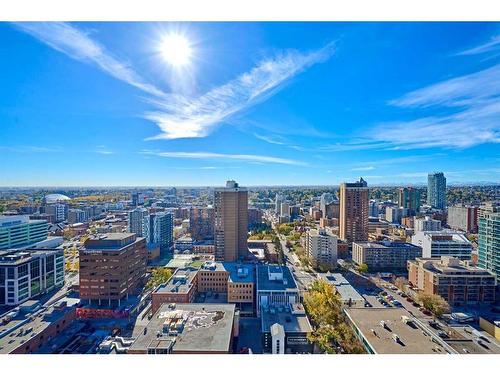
{"points": [[54, 198]]}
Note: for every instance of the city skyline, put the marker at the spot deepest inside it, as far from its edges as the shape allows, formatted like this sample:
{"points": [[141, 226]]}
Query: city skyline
{"points": [[266, 104]]}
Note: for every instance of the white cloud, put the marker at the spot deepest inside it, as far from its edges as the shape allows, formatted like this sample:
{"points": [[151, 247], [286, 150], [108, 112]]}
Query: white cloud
{"points": [[78, 45], [492, 45], [213, 155], [368, 168], [471, 105], [181, 117], [28, 149]]}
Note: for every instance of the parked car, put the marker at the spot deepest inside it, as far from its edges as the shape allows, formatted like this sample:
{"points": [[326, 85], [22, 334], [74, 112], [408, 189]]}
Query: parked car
{"points": [[415, 304], [435, 325], [426, 312], [442, 334], [409, 299]]}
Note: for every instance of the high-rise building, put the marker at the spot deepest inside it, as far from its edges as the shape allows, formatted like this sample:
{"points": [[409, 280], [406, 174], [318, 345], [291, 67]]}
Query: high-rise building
{"points": [[463, 218], [395, 214], [284, 209], [329, 206], [58, 210], [373, 208], [137, 199], [201, 223], [76, 215], [231, 222], [254, 217], [354, 211], [424, 224], [321, 247], [19, 231], [436, 190], [409, 198], [112, 267], [138, 222], [161, 230], [278, 201], [29, 273], [489, 237], [443, 243]]}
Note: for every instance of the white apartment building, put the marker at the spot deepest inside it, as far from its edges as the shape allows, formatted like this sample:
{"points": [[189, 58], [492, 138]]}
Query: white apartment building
{"points": [[426, 224], [435, 244], [321, 246]]}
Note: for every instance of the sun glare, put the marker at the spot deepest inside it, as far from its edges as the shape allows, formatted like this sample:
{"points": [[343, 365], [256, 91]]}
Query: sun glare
{"points": [[176, 49]]}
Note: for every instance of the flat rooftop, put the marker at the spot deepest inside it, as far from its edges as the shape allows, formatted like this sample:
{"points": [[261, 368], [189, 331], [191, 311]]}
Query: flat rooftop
{"points": [[22, 327], [343, 287], [200, 327], [412, 338], [240, 272], [180, 282], [292, 317], [273, 277], [387, 245]]}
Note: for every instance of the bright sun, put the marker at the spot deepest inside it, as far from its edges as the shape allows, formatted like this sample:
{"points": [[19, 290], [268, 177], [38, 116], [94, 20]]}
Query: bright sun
{"points": [[176, 49]]}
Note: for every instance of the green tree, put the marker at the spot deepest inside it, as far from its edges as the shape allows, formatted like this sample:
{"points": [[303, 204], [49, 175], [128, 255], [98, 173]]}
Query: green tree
{"points": [[363, 268], [158, 276], [434, 303], [331, 332]]}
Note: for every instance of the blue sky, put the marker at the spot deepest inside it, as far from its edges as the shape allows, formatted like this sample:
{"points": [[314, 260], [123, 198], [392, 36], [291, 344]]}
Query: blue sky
{"points": [[262, 103]]}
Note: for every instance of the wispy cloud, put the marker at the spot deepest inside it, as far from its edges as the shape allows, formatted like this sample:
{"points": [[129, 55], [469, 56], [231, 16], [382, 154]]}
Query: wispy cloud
{"points": [[28, 149], [103, 150], [490, 46], [77, 44], [213, 155], [472, 114], [368, 168], [181, 117], [272, 139]]}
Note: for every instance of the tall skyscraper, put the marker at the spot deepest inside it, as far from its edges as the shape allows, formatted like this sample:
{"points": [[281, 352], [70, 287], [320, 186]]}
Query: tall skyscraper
{"points": [[436, 190], [489, 237], [353, 221], [138, 222], [409, 198], [161, 230], [19, 231], [231, 222]]}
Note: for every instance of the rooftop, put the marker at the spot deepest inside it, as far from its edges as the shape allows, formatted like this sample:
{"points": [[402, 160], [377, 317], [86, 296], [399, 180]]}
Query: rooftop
{"points": [[387, 245], [180, 282], [411, 339], [343, 287], [273, 277], [292, 317], [24, 326], [189, 328]]}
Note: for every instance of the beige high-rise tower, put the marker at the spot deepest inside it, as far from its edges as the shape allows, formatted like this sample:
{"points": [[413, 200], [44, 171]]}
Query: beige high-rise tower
{"points": [[353, 221], [231, 222]]}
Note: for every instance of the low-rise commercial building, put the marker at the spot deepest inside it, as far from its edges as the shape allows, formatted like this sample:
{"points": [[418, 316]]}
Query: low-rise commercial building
{"points": [[275, 286], [348, 295], [285, 329], [189, 329], [384, 254], [390, 331], [443, 243], [455, 281], [180, 288], [26, 334]]}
